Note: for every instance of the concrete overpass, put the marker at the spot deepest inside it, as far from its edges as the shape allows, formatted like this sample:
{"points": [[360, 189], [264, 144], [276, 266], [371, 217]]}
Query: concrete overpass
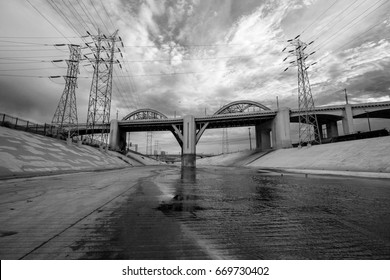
{"points": [[272, 126]]}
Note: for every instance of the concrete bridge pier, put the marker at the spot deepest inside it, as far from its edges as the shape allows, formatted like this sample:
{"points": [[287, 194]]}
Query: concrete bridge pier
{"points": [[263, 136], [279, 128], [348, 120], [117, 140], [331, 129], [188, 155]]}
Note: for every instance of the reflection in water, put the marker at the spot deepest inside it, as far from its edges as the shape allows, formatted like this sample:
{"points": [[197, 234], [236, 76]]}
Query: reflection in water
{"points": [[185, 198], [254, 216], [188, 174], [266, 189]]}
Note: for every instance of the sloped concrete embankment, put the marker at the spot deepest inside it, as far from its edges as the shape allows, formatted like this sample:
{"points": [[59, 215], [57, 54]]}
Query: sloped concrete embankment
{"points": [[141, 160], [233, 159], [366, 155], [24, 154]]}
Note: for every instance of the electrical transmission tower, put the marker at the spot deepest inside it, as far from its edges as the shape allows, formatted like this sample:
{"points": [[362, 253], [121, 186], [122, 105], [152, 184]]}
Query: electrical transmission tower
{"points": [[308, 125], [65, 115], [99, 104], [225, 141], [149, 141]]}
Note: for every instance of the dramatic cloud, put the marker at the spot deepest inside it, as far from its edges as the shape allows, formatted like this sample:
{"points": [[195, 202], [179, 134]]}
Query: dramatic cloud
{"points": [[194, 56]]}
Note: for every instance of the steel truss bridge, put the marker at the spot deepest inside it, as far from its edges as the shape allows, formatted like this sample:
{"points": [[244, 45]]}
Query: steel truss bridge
{"points": [[238, 114]]}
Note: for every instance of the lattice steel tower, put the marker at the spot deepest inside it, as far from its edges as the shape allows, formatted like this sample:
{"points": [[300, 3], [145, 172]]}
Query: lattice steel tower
{"points": [[99, 104], [308, 125], [65, 116]]}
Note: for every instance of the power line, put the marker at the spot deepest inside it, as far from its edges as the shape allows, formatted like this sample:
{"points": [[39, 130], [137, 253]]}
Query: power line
{"points": [[76, 15], [62, 15], [112, 24], [145, 75], [24, 43], [19, 58], [191, 59], [94, 7], [192, 45], [47, 20], [23, 76], [319, 17], [124, 46], [339, 17], [31, 69], [372, 27], [25, 62], [90, 17], [117, 82], [39, 37], [353, 39], [80, 19], [348, 25], [27, 50], [120, 78]]}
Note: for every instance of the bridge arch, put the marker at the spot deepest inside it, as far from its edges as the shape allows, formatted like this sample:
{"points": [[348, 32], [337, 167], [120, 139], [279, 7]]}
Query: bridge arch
{"points": [[240, 106], [144, 114]]}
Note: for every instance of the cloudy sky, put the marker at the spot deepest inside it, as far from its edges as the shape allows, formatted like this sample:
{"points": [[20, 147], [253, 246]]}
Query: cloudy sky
{"points": [[193, 56]]}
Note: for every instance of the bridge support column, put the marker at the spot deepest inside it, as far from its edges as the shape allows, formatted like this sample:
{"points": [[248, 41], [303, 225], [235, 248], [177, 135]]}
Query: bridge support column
{"points": [[348, 120], [331, 129], [263, 136], [281, 129], [321, 132], [117, 137], [188, 157]]}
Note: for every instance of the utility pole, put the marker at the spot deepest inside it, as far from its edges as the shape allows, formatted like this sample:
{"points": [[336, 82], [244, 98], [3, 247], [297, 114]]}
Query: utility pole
{"points": [[277, 102], [308, 125], [99, 104], [346, 96], [250, 139], [65, 115]]}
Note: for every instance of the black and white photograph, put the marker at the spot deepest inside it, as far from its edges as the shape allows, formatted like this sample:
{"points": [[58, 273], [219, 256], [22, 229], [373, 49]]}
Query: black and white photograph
{"points": [[195, 139]]}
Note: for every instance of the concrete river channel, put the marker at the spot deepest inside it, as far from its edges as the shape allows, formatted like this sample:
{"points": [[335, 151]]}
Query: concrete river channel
{"points": [[165, 212]]}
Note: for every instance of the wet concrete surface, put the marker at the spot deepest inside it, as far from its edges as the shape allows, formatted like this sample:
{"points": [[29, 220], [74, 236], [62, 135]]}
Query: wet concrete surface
{"points": [[204, 213]]}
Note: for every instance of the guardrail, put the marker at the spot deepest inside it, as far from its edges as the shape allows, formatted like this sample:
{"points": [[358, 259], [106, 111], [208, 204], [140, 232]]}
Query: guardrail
{"points": [[25, 125], [45, 129]]}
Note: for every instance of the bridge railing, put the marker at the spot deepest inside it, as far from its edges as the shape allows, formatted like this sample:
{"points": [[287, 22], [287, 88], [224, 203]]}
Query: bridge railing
{"points": [[29, 126]]}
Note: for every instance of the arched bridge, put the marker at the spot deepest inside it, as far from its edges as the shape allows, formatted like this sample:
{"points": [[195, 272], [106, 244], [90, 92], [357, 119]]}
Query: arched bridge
{"points": [[238, 113], [271, 125], [241, 107], [145, 114]]}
